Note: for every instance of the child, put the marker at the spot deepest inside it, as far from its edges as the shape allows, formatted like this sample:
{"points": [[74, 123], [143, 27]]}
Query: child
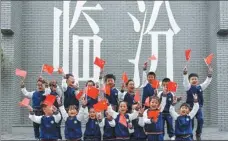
{"points": [[129, 95], [48, 122], [73, 130], [183, 122], [92, 131], [191, 87], [37, 97], [69, 89], [122, 127], [148, 90], [113, 98], [138, 125], [108, 124], [56, 91], [90, 101], [154, 125], [166, 117]]}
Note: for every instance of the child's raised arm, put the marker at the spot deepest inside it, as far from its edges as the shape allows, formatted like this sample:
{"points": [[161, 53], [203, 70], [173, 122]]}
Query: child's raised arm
{"points": [[112, 123], [63, 112], [34, 118], [112, 112], [205, 84], [144, 76], [172, 109], [57, 116], [82, 111], [25, 92], [186, 83], [195, 107], [64, 85], [133, 115]]}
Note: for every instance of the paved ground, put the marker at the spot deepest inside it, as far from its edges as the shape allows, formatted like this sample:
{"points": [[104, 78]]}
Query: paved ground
{"points": [[210, 133]]}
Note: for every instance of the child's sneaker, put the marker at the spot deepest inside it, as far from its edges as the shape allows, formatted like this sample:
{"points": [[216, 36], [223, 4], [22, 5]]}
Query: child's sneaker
{"points": [[198, 137], [172, 138]]}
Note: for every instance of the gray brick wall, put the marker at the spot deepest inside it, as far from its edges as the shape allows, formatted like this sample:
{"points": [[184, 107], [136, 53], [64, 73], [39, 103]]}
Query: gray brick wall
{"points": [[198, 32]]}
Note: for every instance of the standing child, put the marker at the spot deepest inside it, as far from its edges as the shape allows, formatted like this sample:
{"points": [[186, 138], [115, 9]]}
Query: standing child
{"points": [[128, 96], [92, 131], [166, 117], [70, 91], [56, 91], [108, 124], [123, 120], [153, 119], [37, 97], [183, 120], [138, 125], [48, 122], [73, 129], [148, 90], [113, 97], [192, 86], [90, 101]]}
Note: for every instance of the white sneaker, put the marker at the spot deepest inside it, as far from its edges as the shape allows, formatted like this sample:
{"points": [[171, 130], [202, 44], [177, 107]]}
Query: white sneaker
{"points": [[172, 138]]}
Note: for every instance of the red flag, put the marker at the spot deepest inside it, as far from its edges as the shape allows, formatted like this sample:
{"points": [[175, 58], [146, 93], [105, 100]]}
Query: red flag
{"points": [[172, 86], [60, 70], [153, 115], [123, 120], [47, 68], [208, 59], [153, 57], [137, 96], [188, 54], [124, 77], [99, 62], [107, 90], [155, 84], [147, 102], [21, 73], [24, 102], [49, 100], [79, 95], [100, 106], [92, 92]]}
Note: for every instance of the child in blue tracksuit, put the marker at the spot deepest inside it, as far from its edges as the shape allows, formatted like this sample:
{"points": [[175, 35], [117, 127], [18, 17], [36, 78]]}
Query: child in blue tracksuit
{"points": [[90, 101], [73, 129], [154, 125], [48, 122], [108, 124], [166, 117], [113, 97], [37, 97], [192, 87], [138, 127], [70, 91], [148, 90], [183, 120], [129, 95], [93, 125], [122, 132]]}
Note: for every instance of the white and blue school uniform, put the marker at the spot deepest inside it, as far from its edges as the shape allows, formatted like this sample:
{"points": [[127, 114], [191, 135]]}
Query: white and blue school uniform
{"points": [[73, 129], [69, 95], [109, 129], [183, 124], [92, 131], [37, 98], [48, 125], [122, 132], [154, 130], [138, 133], [198, 89]]}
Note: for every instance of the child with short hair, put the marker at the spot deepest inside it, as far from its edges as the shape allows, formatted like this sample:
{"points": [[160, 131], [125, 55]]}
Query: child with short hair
{"points": [[90, 101], [48, 122], [122, 129], [37, 98], [192, 86], [113, 97], [148, 90], [93, 125], [154, 124], [183, 120], [166, 117], [70, 90], [73, 119]]}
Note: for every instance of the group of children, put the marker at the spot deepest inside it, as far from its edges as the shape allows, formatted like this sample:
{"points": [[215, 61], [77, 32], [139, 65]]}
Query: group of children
{"points": [[124, 118]]}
